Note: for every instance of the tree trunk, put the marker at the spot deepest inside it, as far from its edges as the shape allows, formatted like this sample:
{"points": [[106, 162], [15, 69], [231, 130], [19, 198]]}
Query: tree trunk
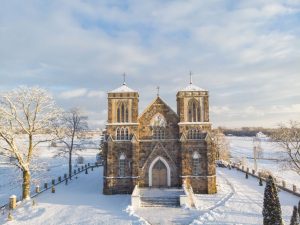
{"points": [[70, 164], [26, 184]]}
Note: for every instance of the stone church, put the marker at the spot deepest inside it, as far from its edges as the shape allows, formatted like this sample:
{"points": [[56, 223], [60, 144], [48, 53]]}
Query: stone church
{"points": [[159, 147]]}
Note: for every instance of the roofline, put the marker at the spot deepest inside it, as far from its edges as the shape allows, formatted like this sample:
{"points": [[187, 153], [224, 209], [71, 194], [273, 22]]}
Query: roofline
{"points": [[146, 109]]}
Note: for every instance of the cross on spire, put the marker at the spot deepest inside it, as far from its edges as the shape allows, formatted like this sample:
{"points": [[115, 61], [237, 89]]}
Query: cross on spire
{"points": [[191, 78], [157, 88], [124, 79]]}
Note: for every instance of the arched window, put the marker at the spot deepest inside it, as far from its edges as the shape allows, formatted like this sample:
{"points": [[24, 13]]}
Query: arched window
{"points": [[122, 163], [158, 124], [122, 113], [118, 115], [196, 164], [194, 111], [126, 115], [122, 134], [118, 133], [126, 134]]}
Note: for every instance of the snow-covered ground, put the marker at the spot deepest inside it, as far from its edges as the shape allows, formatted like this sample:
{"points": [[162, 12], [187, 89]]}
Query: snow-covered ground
{"points": [[239, 201], [50, 168], [79, 202], [242, 148]]}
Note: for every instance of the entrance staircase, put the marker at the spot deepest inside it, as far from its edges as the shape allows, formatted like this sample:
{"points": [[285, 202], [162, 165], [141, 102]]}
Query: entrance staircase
{"points": [[160, 197]]}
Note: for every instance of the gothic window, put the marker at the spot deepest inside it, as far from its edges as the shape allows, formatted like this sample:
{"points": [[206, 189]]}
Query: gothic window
{"points": [[122, 134], [194, 134], [158, 124], [126, 134], [118, 134], [122, 163], [193, 111], [196, 164], [122, 113]]}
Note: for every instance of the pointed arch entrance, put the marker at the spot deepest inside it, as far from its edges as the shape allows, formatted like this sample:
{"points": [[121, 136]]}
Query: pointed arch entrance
{"points": [[159, 173]]}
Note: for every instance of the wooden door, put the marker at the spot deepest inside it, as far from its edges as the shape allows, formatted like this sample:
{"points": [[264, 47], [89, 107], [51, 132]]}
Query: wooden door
{"points": [[159, 174]]}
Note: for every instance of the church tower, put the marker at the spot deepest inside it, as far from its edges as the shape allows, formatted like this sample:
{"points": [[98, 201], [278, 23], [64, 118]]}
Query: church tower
{"points": [[197, 154], [120, 146]]}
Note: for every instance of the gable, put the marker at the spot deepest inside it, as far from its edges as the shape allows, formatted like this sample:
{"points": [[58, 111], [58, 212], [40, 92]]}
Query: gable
{"points": [[158, 109], [159, 106]]}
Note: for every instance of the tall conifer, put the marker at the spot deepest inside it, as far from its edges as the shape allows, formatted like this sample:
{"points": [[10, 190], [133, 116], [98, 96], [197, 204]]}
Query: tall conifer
{"points": [[272, 210]]}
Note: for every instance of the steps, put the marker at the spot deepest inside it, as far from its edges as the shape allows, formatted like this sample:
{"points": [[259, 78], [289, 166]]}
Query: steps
{"points": [[157, 197], [160, 202]]}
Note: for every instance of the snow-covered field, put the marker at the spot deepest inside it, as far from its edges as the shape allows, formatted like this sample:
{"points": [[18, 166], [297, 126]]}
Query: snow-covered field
{"points": [[242, 148], [239, 201], [50, 168]]}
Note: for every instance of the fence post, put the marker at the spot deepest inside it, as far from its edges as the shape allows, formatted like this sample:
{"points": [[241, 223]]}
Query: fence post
{"points": [[242, 168], [294, 188], [59, 179], [88, 164], [53, 189], [247, 169], [75, 172], [253, 172], [12, 202], [283, 184], [53, 182], [37, 189], [65, 176], [78, 169], [45, 185]]}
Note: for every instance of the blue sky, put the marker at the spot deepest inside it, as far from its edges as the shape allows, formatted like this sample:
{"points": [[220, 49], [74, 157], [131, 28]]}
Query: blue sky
{"points": [[246, 53]]}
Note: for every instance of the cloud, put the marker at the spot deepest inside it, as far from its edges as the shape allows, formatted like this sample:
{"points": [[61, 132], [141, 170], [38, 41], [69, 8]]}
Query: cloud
{"points": [[246, 53], [73, 93]]}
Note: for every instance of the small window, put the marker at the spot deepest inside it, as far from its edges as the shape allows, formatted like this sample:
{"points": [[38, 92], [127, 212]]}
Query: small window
{"points": [[126, 134], [196, 164], [158, 133], [122, 163], [122, 134], [118, 134]]}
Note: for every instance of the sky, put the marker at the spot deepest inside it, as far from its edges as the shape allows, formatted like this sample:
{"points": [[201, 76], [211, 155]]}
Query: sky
{"points": [[246, 53]]}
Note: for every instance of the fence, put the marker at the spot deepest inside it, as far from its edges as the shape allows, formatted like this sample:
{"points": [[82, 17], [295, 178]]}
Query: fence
{"points": [[53, 183], [280, 183]]}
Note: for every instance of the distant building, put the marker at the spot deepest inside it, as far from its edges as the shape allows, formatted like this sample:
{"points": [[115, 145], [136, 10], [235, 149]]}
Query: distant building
{"points": [[158, 148]]}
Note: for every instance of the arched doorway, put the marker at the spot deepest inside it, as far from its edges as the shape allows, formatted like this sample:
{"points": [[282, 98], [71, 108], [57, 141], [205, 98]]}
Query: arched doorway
{"points": [[159, 173]]}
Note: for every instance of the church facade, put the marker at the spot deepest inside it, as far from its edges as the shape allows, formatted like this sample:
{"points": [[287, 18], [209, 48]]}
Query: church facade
{"points": [[159, 147]]}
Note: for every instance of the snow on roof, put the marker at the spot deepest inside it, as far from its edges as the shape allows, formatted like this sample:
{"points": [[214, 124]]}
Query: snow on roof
{"points": [[192, 87], [123, 88]]}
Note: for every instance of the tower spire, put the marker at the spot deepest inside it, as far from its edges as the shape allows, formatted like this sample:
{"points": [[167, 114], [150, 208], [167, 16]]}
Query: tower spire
{"points": [[191, 78], [124, 79], [157, 88]]}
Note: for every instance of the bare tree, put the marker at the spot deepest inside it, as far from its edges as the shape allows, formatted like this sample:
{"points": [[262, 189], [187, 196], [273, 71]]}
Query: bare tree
{"points": [[221, 145], [27, 116], [69, 132], [288, 138]]}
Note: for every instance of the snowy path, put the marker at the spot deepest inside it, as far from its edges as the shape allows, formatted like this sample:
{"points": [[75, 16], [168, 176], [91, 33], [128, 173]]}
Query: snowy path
{"points": [[239, 201], [80, 202]]}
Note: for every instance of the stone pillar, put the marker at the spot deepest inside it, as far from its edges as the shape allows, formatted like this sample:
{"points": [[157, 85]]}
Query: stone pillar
{"points": [[12, 202], [283, 184]]}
